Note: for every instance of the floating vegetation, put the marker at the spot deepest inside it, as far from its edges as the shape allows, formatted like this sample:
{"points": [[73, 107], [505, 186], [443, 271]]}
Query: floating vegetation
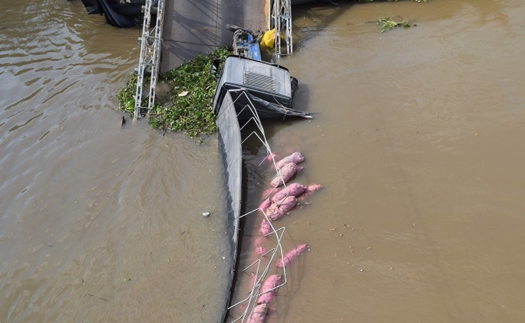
{"points": [[189, 106], [389, 24], [126, 95]]}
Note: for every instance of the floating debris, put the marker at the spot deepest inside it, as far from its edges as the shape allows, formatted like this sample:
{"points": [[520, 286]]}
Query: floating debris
{"points": [[389, 24]]}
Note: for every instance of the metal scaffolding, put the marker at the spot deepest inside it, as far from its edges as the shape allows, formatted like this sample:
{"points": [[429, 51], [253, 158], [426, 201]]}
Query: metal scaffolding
{"points": [[282, 22], [150, 46]]}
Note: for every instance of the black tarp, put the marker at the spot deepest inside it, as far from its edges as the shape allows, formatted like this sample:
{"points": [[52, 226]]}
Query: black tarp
{"points": [[111, 16]]}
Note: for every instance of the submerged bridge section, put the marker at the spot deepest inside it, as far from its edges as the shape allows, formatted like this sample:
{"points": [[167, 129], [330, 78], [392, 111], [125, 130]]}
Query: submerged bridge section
{"points": [[199, 26], [183, 29]]}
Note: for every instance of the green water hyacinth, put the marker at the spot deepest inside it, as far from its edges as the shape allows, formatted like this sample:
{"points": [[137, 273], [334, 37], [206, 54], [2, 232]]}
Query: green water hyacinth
{"points": [[389, 24], [189, 106]]}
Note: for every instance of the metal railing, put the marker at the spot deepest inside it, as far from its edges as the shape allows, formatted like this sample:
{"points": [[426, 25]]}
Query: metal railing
{"points": [[281, 20], [149, 60]]}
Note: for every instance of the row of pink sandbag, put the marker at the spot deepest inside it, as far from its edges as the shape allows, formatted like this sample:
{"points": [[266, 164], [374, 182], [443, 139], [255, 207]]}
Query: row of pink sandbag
{"points": [[278, 202]]}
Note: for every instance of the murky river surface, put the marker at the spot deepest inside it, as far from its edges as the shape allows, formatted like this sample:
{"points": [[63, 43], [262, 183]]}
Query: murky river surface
{"points": [[97, 223], [417, 137], [419, 141]]}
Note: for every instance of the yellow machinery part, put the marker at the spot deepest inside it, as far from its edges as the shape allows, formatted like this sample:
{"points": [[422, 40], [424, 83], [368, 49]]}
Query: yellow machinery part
{"points": [[268, 39]]}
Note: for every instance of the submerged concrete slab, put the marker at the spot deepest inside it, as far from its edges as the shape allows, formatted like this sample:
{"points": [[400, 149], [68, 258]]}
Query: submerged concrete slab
{"points": [[198, 27]]}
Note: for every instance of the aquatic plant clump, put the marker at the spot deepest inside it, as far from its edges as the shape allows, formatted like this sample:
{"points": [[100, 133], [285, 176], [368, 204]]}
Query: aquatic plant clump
{"points": [[189, 107], [389, 24], [126, 95]]}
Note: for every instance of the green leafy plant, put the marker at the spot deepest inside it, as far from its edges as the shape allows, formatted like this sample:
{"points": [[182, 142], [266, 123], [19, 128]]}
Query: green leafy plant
{"points": [[389, 24], [189, 107], [126, 95]]}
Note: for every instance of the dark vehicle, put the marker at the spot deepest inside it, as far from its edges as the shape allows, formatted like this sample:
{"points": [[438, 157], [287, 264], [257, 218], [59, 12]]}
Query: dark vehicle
{"points": [[245, 42], [268, 86]]}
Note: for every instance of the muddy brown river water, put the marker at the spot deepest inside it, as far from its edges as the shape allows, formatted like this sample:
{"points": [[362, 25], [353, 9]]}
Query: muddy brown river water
{"points": [[417, 137]]}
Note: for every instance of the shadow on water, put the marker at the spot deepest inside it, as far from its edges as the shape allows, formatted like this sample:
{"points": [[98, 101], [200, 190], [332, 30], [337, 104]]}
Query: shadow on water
{"points": [[311, 18]]}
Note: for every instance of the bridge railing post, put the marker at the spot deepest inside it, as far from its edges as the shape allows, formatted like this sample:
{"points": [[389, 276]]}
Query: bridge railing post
{"points": [[282, 22], [150, 46]]}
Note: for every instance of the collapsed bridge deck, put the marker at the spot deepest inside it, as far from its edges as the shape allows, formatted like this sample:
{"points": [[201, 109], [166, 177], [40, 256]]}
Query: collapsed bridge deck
{"points": [[198, 27]]}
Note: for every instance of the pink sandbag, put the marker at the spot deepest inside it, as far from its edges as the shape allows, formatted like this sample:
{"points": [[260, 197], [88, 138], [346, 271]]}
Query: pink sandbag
{"points": [[291, 255], [274, 212], [268, 289], [266, 228], [278, 210], [259, 248], [294, 189], [265, 204], [259, 314], [295, 158], [286, 173], [287, 204]]}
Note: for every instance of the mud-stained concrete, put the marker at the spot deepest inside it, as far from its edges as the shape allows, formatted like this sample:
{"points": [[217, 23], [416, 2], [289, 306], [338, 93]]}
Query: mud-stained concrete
{"points": [[199, 27]]}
